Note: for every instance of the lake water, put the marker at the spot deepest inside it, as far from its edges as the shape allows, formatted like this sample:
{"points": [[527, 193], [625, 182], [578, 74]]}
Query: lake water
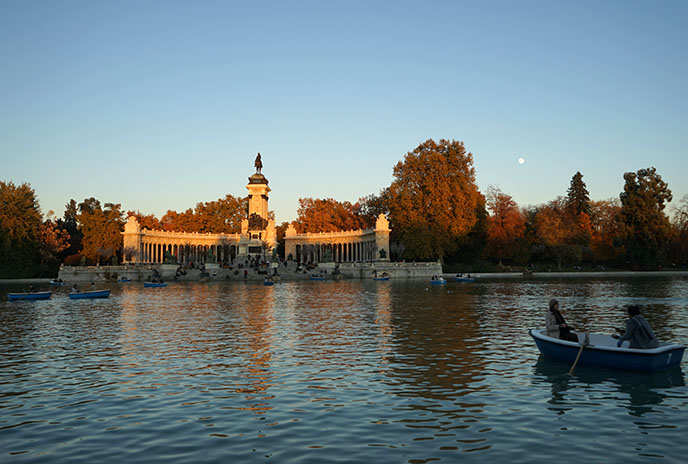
{"points": [[347, 371]]}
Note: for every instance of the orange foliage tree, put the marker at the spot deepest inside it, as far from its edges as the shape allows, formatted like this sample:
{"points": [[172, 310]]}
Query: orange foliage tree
{"points": [[327, 215], [433, 199], [505, 226], [101, 228], [146, 221], [222, 216], [54, 241]]}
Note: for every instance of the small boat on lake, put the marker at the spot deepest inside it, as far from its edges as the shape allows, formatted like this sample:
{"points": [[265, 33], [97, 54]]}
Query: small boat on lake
{"points": [[317, 277], [56, 283], [438, 280], [89, 294], [28, 296], [462, 278], [124, 279], [603, 352], [383, 276], [154, 284], [268, 281]]}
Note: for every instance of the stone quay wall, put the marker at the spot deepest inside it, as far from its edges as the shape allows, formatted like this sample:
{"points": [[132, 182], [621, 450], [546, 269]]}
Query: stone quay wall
{"points": [[145, 272]]}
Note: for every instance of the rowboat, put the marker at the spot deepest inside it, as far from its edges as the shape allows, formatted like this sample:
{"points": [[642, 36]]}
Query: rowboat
{"points": [[29, 296], [124, 279], [56, 283], [315, 277], [602, 351], [268, 282], [464, 279], [89, 294], [438, 281], [154, 284], [381, 278]]}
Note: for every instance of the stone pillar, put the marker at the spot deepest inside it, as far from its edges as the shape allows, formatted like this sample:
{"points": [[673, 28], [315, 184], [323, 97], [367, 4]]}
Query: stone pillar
{"points": [[132, 240], [381, 239]]}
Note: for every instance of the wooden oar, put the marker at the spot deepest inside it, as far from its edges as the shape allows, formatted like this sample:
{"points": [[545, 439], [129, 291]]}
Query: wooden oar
{"points": [[586, 341]]}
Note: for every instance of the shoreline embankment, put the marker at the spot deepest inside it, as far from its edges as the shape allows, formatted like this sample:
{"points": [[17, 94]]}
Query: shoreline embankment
{"points": [[353, 271]]}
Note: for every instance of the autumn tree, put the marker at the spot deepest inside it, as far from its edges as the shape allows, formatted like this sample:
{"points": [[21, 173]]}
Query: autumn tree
{"points": [[54, 240], [327, 215], [20, 229], [646, 228], [146, 221], [370, 207], [678, 250], [577, 196], [433, 199], [505, 226], [180, 222], [101, 228], [222, 216], [550, 230], [605, 243], [69, 225]]}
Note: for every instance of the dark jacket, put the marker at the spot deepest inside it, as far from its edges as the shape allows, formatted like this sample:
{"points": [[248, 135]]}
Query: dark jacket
{"points": [[639, 332]]}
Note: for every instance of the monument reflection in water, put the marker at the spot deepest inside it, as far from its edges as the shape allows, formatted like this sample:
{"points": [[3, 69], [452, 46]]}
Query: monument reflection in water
{"points": [[360, 371]]}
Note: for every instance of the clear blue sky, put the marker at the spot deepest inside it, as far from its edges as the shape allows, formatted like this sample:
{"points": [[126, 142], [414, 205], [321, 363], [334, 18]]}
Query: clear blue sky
{"points": [[158, 105]]}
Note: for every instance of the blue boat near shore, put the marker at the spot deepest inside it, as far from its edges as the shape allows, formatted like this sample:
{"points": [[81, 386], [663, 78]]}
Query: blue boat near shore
{"points": [[56, 283], [89, 295], [438, 280], [29, 296], [464, 279], [603, 352], [316, 277], [154, 284]]}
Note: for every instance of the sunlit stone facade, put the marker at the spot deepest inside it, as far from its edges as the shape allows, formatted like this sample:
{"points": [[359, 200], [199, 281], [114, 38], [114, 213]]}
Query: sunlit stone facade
{"points": [[257, 237], [363, 245]]}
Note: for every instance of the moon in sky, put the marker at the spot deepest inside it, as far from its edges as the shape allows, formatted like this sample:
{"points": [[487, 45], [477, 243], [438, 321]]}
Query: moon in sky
{"points": [[521, 160]]}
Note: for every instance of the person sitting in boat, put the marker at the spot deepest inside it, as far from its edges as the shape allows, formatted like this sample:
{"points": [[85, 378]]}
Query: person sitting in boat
{"points": [[638, 331], [556, 325], [93, 286], [75, 288]]}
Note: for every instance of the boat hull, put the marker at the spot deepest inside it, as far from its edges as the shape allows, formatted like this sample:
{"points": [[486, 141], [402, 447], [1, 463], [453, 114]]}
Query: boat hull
{"points": [[438, 282], [89, 295], [154, 284], [464, 279], [603, 352], [29, 296], [381, 278]]}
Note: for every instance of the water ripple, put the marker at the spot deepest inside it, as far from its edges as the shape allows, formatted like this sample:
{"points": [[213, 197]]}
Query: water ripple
{"points": [[331, 372]]}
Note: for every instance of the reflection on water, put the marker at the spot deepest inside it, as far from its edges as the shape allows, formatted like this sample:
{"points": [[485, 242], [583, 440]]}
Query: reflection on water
{"points": [[354, 371], [638, 392]]}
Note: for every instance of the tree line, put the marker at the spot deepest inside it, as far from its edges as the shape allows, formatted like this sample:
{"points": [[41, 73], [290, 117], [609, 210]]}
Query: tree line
{"points": [[434, 207]]}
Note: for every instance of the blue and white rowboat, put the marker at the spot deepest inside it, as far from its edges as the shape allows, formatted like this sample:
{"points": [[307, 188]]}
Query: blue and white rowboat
{"points": [[603, 352], [89, 295], [29, 296], [154, 284]]}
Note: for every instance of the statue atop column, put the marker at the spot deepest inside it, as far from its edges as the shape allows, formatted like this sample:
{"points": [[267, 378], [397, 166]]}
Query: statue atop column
{"points": [[258, 164]]}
